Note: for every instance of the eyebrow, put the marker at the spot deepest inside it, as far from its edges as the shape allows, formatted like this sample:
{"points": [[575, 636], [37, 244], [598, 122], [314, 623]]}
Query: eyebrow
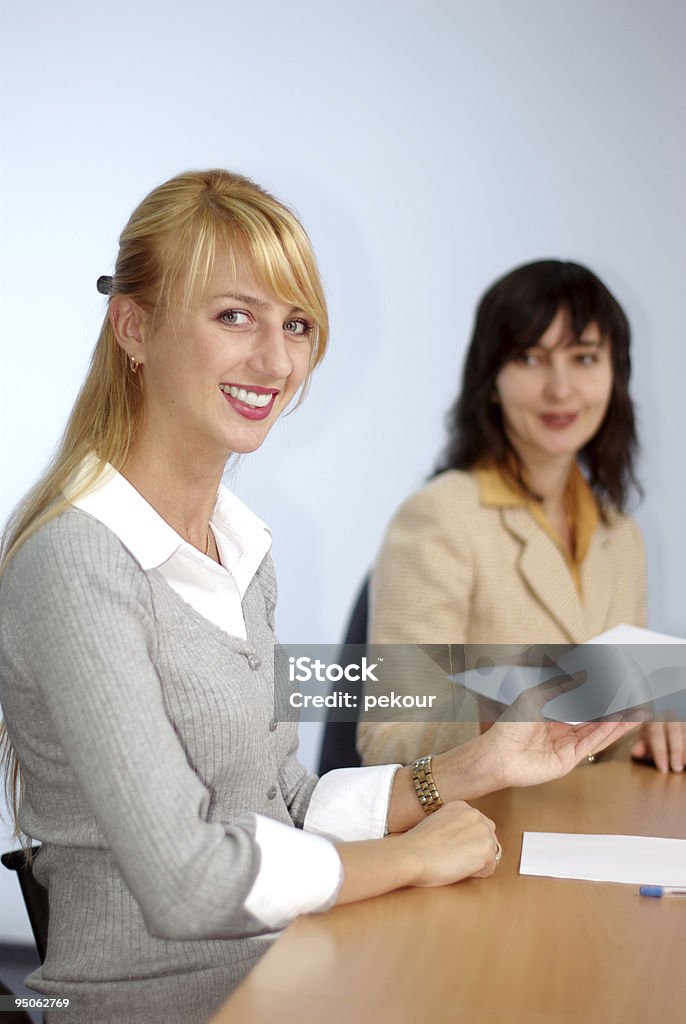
{"points": [[575, 342], [248, 300], [251, 300], [588, 342]]}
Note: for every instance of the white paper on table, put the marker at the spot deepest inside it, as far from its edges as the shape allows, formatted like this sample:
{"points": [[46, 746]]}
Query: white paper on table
{"points": [[641, 860]]}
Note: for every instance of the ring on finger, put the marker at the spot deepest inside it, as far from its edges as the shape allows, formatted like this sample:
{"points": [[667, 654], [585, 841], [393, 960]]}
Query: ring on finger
{"points": [[498, 851]]}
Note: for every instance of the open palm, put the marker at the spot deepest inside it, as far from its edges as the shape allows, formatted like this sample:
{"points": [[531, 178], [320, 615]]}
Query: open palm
{"points": [[531, 749]]}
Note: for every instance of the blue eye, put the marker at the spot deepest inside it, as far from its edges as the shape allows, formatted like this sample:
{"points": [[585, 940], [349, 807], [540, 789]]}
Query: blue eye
{"points": [[298, 327]]}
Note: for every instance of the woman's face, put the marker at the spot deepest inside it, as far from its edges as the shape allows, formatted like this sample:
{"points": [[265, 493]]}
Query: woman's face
{"points": [[216, 377], [554, 396]]}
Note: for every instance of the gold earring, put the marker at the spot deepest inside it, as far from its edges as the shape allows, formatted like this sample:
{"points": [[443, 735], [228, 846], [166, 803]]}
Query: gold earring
{"points": [[134, 364]]}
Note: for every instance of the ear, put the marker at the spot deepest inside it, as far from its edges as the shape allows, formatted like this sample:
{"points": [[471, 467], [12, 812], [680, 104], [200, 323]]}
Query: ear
{"points": [[129, 322]]}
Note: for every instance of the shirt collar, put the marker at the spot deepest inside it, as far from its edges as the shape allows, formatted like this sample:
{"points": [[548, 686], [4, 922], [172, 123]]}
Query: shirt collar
{"points": [[242, 538], [499, 489]]}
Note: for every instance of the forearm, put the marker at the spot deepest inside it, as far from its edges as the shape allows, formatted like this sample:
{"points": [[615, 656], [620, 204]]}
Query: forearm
{"points": [[454, 843], [374, 867]]}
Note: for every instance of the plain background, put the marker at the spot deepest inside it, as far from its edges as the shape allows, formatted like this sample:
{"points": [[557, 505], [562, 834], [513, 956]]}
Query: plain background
{"points": [[428, 147]]}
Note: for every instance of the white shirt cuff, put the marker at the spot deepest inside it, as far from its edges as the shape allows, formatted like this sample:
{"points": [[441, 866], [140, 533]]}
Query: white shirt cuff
{"points": [[351, 803], [298, 873]]}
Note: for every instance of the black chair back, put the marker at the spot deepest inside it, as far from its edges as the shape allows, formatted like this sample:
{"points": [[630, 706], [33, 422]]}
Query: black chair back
{"points": [[35, 895], [338, 746]]}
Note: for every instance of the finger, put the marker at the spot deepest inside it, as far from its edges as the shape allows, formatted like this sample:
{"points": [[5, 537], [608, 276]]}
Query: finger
{"points": [[485, 872], [529, 705], [675, 743], [560, 684], [597, 735], [598, 731], [638, 715], [588, 738], [657, 740], [639, 749], [683, 743], [490, 863], [621, 729]]}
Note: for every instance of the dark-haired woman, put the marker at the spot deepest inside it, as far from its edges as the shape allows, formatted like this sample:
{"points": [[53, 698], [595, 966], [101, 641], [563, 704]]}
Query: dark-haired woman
{"points": [[521, 536]]}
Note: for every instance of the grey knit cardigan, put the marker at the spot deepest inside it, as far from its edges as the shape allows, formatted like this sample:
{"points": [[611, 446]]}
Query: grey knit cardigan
{"points": [[147, 740]]}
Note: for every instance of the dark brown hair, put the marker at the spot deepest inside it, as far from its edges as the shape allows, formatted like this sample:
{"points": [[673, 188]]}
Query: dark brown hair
{"points": [[511, 317]]}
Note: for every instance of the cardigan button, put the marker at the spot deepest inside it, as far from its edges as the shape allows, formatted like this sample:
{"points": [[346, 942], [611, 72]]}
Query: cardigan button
{"points": [[271, 792], [273, 725], [254, 662]]}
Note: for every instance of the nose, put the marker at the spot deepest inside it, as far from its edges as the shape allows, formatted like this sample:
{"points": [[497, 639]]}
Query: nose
{"points": [[558, 382], [271, 357]]}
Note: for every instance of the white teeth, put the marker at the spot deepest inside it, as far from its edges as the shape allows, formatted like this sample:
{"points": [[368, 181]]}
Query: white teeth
{"points": [[248, 397]]}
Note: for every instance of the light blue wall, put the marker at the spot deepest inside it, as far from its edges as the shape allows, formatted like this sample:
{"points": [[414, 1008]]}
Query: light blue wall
{"points": [[428, 147]]}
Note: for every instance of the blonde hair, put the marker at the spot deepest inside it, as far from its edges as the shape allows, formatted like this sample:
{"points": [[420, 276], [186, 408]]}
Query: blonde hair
{"points": [[171, 238]]}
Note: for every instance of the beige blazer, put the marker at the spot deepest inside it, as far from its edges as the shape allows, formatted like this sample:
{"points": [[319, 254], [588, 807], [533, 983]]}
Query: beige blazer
{"points": [[454, 569]]}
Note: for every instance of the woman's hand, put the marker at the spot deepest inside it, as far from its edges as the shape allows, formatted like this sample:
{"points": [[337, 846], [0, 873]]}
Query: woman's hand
{"points": [[531, 750], [453, 843], [663, 743], [521, 749]]}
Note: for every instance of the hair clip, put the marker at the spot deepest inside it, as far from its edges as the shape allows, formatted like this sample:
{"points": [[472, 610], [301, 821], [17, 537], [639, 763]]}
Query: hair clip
{"points": [[104, 284]]}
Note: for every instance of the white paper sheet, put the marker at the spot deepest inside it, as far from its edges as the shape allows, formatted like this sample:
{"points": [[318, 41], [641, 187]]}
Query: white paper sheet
{"points": [[640, 860], [618, 677], [624, 634]]}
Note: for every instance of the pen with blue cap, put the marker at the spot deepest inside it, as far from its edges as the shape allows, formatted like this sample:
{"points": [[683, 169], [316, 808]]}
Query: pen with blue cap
{"points": [[661, 890]]}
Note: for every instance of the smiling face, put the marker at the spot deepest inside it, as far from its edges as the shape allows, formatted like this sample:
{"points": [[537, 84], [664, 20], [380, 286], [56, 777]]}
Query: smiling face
{"points": [[216, 376], [554, 396]]}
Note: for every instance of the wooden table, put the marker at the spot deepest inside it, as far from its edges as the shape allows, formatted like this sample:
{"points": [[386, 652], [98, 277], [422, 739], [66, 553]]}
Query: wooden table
{"points": [[513, 949]]}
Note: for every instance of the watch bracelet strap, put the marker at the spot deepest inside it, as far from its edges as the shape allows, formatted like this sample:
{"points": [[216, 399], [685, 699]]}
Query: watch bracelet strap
{"points": [[424, 785]]}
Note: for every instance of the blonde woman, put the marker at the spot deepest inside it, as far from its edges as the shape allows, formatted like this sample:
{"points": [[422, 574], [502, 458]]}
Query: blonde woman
{"points": [[178, 829]]}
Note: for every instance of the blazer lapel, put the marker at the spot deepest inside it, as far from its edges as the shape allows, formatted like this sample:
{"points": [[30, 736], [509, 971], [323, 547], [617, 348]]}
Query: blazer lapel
{"points": [[543, 566], [596, 586]]}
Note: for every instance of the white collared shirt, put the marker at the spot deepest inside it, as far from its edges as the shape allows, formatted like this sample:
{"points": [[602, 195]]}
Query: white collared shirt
{"points": [[348, 804], [216, 591]]}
